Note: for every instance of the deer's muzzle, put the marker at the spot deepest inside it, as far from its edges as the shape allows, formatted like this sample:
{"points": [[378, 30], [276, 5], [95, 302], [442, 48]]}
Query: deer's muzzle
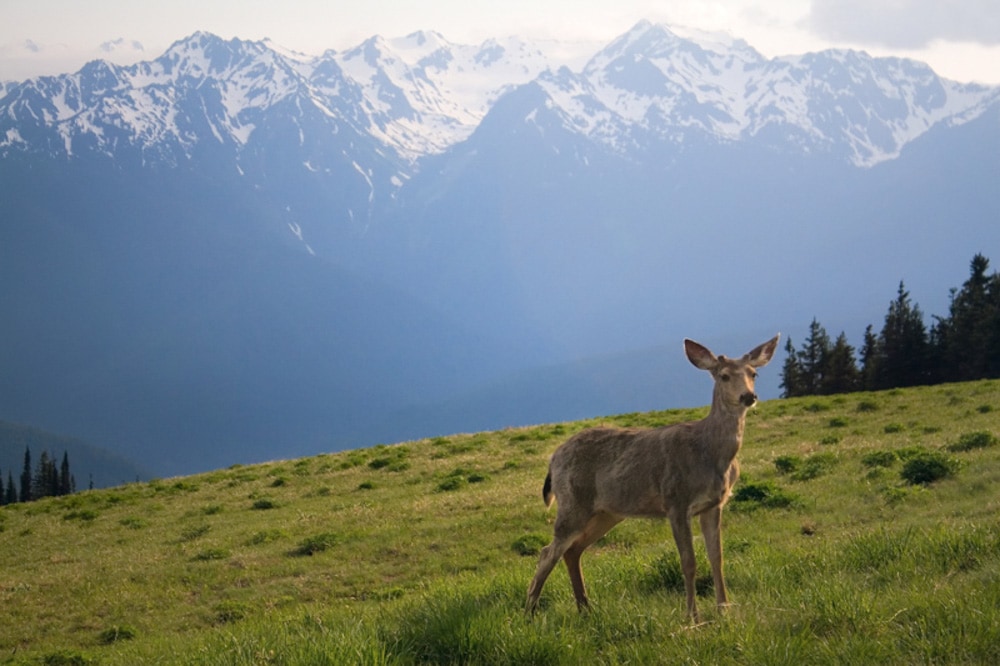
{"points": [[748, 399]]}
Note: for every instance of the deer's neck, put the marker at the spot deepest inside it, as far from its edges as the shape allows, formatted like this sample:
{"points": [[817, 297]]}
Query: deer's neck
{"points": [[723, 431]]}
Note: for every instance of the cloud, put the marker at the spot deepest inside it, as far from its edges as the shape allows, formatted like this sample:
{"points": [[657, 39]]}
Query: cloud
{"points": [[120, 44], [909, 24]]}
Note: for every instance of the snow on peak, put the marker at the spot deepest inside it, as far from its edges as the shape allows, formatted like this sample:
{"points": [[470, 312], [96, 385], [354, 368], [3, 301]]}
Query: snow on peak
{"points": [[661, 80], [421, 94]]}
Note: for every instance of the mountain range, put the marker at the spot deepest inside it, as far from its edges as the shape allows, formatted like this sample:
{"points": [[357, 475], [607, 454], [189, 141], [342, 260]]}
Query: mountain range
{"points": [[234, 252]]}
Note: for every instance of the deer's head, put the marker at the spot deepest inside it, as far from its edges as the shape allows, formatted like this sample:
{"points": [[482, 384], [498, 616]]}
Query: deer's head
{"points": [[734, 377]]}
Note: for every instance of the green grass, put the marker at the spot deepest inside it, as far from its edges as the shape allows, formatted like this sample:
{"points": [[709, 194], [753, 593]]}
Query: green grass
{"points": [[421, 553]]}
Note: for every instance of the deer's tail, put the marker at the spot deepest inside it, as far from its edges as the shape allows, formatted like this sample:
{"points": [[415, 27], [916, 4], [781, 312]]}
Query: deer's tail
{"points": [[547, 490]]}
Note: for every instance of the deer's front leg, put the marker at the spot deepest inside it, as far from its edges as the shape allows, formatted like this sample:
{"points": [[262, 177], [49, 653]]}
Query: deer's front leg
{"points": [[711, 529], [681, 526]]}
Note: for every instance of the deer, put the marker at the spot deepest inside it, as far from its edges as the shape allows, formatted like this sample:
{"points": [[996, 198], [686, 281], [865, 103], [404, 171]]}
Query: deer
{"points": [[602, 475]]}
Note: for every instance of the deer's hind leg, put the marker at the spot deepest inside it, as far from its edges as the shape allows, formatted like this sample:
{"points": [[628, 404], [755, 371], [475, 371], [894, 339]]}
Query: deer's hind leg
{"points": [[567, 530], [596, 527]]}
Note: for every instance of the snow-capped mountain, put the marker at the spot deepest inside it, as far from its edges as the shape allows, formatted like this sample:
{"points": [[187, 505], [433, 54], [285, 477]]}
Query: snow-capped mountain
{"points": [[416, 95], [420, 95], [235, 252], [426, 94], [653, 82]]}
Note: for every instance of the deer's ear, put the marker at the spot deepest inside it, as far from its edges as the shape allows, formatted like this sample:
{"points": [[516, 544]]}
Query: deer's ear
{"points": [[699, 355], [762, 354]]}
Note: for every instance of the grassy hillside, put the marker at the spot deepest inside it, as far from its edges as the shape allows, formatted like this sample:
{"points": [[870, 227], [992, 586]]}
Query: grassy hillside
{"points": [[421, 553]]}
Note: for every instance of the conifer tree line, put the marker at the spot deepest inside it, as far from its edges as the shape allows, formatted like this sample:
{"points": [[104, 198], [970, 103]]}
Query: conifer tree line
{"points": [[963, 346], [46, 480]]}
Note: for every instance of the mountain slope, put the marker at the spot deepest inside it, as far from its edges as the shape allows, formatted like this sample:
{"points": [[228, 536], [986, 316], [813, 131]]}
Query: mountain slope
{"points": [[169, 322], [233, 252]]}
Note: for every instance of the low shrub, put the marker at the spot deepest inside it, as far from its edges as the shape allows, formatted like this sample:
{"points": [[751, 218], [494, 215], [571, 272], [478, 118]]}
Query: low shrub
{"points": [[750, 495], [116, 633], [316, 544], [231, 611], [67, 658], [974, 440], [266, 536], [927, 467], [195, 532], [85, 515], [529, 544], [452, 483], [211, 554], [815, 466], [666, 573], [787, 464], [883, 458]]}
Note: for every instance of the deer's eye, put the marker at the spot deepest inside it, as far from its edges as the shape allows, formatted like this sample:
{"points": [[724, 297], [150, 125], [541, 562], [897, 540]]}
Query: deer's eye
{"points": [[724, 377], [753, 374]]}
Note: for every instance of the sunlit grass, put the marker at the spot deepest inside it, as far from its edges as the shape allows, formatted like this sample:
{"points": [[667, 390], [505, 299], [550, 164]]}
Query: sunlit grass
{"points": [[421, 553]]}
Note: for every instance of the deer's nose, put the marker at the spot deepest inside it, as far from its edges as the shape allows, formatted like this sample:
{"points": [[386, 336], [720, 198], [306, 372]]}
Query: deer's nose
{"points": [[748, 399]]}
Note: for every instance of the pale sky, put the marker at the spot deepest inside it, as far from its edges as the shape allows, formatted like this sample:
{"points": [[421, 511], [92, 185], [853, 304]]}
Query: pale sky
{"points": [[959, 39]]}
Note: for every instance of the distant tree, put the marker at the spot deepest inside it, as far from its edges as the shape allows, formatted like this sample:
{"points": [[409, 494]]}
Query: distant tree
{"points": [[3, 493], [819, 367], [791, 373], [11, 489], [840, 370], [904, 345], [46, 482], [966, 343], [871, 357], [67, 485], [26, 495], [813, 358]]}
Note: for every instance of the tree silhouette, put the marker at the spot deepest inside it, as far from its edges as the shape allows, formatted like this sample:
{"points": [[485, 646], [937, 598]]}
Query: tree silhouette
{"points": [[26, 491], [840, 372], [904, 344], [966, 342], [11, 489]]}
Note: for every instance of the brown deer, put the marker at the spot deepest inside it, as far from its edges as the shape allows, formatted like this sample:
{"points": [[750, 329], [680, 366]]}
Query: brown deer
{"points": [[601, 476]]}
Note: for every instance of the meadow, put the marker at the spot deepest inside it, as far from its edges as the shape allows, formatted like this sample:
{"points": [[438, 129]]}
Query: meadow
{"points": [[865, 529]]}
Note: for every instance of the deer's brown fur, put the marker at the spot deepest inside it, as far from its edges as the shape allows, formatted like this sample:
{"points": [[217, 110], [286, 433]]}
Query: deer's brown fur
{"points": [[601, 476]]}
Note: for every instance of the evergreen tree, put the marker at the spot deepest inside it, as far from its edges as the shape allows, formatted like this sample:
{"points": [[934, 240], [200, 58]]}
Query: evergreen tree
{"points": [[11, 489], [871, 356], [813, 358], [904, 345], [791, 373], [66, 483], [965, 343], [46, 483], [26, 477], [3, 493], [840, 373], [991, 319]]}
